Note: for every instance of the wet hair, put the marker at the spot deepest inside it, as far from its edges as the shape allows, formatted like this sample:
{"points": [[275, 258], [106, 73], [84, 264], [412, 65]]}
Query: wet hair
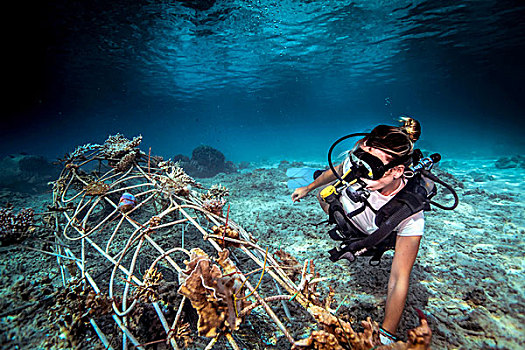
{"points": [[396, 141]]}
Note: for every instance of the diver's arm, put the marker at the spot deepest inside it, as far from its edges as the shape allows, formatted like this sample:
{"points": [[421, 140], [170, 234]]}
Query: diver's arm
{"points": [[404, 258], [325, 178]]}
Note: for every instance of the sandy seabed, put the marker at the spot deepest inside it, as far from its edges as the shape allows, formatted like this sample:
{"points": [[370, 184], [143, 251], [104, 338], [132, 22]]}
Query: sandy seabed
{"points": [[468, 277]]}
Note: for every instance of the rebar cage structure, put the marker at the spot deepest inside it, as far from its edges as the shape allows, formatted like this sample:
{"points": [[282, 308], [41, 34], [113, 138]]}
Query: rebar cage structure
{"points": [[125, 222], [94, 222]]}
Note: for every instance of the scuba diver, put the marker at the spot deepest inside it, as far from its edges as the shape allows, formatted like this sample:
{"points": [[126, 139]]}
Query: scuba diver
{"points": [[376, 198]]}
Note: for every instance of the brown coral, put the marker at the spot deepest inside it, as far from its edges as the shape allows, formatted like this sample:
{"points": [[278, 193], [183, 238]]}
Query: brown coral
{"points": [[212, 294], [214, 200], [73, 308], [96, 188], [149, 290], [341, 331], [214, 205], [291, 266], [126, 162], [225, 231], [346, 337], [319, 340], [216, 192]]}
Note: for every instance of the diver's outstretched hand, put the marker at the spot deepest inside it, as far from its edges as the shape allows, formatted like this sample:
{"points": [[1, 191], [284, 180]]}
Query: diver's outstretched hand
{"points": [[299, 193]]}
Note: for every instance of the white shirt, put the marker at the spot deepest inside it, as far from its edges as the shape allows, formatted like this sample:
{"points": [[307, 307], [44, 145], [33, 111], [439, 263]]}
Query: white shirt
{"points": [[365, 221]]}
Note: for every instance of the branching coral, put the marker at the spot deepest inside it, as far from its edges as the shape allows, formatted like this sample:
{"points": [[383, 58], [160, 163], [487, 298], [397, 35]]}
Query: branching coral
{"points": [[214, 205], [154, 221], [214, 200], [176, 181], [80, 151], [216, 191], [309, 281], [337, 334], [212, 294], [59, 186], [117, 146], [15, 227], [183, 334], [126, 162]]}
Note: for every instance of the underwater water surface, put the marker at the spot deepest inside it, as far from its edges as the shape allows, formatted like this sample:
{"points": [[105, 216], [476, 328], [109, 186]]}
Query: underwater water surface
{"points": [[238, 74]]}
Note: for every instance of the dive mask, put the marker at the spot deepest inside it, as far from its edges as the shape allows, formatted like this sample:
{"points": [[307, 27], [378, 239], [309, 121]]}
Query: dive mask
{"points": [[366, 165]]}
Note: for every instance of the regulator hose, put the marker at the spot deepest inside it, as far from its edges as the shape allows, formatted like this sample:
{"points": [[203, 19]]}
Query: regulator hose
{"points": [[332, 148], [434, 178]]}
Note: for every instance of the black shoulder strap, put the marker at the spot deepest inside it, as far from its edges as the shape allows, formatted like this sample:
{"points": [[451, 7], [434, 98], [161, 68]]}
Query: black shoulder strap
{"points": [[406, 203]]}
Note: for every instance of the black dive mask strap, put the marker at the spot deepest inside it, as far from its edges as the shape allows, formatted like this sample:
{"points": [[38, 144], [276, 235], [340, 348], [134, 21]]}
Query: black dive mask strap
{"points": [[398, 161]]}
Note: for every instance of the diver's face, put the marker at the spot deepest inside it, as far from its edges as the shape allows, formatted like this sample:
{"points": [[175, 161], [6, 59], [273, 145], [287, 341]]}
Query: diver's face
{"points": [[390, 176]]}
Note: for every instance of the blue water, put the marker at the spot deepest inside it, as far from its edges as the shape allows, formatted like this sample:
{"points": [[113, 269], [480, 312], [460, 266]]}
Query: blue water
{"points": [[263, 80]]}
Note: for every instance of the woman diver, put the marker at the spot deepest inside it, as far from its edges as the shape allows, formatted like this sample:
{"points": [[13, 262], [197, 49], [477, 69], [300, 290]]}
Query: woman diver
{"points": [[386, 153]]}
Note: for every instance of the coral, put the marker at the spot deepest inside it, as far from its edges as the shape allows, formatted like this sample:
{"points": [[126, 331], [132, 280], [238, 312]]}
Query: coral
{"points": [[96, 188], [206, 161], [79, 152], [216, 192], [420, 337], [148, 291], [15, 227], [338, 334], [59, 186], [341, 332], [73, 308], [213, 200], [214, 206], [126, 162], [213, 294], [309, 282], [183, 334], [117, 146], [291, 266], [225, 231], [154, 221], [319, 340], [176, 181]]}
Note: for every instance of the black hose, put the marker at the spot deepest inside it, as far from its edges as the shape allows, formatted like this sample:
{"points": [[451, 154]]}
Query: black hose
{"points": [[424, 172], [332, 148], [434, 178]]}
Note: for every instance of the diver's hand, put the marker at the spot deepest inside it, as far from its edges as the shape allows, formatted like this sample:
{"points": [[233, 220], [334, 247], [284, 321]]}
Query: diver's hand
{"points": [[299, 193]]}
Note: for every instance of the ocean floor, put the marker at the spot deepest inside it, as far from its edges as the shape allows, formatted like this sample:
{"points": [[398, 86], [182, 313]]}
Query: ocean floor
{"points": [[468, 278]]}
